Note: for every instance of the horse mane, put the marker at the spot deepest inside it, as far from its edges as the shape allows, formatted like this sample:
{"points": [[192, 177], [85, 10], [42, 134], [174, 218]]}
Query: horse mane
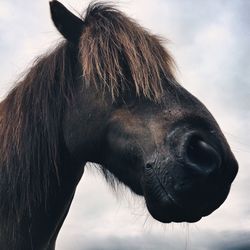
{"points": [[30, 119], [113, 47], [114, 52]]}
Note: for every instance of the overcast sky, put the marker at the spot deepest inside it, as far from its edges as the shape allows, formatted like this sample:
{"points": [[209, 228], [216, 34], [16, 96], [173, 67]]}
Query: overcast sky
{"points": [[210, 41]]}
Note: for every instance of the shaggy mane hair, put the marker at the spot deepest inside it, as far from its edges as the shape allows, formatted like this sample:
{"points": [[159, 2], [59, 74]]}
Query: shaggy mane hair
{"points": [[114, 52], [31, 138], [113, 47]]}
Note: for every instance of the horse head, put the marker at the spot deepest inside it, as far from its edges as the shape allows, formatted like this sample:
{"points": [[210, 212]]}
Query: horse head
{"points": [[140, 124]]}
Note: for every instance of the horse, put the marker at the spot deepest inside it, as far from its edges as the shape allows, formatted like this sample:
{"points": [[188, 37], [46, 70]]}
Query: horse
{"points": [[106, 94]]}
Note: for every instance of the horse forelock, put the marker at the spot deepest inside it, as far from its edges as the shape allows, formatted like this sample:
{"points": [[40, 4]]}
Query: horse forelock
{"points": [[115, 52]]}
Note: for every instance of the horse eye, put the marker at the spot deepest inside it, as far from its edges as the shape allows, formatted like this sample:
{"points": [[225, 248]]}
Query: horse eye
{"points": [[124, 104], [130, 105], [126, 101]]}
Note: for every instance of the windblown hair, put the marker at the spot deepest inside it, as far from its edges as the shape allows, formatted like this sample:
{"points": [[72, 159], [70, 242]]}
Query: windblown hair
{"points": [[30, 135], [114, 52]]}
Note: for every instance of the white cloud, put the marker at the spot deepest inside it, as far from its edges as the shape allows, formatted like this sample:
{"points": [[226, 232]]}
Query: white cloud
{"points": [[5, 10]]}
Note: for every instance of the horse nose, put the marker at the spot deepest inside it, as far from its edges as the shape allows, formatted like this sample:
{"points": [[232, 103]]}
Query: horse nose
{"points": [[200, 155]]}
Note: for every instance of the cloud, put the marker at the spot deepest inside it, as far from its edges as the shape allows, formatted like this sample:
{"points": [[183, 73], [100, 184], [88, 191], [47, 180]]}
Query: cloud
{"points": [[4, 10], [207, 240]]}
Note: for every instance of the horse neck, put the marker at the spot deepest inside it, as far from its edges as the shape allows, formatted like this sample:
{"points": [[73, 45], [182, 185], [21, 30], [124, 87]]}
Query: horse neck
{"points": [[48, 221], [39, 229]]}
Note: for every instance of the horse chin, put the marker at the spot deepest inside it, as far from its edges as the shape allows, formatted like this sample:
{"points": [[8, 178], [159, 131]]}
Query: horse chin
{"points": [[170, 213], [168, 210], [166, 206]]}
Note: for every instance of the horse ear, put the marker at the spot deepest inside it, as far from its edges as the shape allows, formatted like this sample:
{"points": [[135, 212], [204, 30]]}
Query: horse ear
{"points": [[69, 25]]}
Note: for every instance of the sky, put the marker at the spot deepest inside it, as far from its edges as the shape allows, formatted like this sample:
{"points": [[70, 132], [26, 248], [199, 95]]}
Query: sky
{"points": [[210, 41]]}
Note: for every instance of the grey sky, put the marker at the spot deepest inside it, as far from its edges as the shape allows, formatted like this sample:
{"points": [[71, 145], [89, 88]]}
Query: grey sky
{"points": [[210, 41]]}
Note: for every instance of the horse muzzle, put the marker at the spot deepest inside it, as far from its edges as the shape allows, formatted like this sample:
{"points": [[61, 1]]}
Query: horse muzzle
{"points": [[189, 178]]}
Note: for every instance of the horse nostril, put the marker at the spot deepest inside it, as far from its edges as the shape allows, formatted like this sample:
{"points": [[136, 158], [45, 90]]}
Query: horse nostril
{"points": [[201, 156], [148, 166]]}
